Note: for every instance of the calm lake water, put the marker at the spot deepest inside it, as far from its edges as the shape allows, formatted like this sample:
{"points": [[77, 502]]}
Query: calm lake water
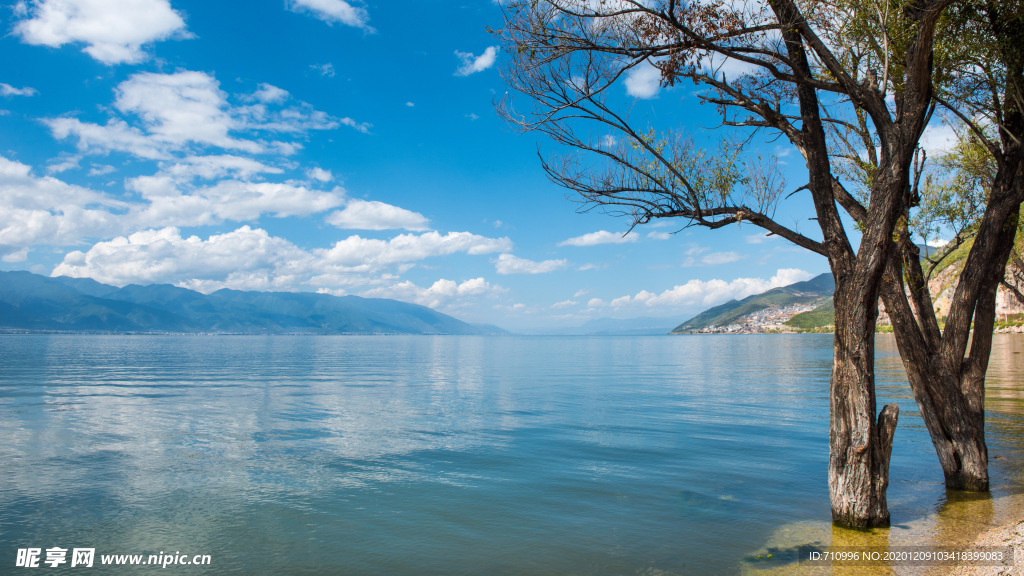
{"points": [[453, 455]]}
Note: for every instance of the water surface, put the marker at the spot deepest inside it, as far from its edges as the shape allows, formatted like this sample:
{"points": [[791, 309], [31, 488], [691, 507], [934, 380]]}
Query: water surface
{"points": [[448, 455]]}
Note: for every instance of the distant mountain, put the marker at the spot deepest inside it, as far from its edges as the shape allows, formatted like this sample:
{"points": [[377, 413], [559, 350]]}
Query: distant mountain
{"points": [[32, 302], [644, 326], [815, 291]]}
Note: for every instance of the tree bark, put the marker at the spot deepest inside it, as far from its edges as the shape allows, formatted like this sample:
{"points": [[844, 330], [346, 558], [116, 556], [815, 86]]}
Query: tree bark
{"points": [[948, 386], [859, 445]]}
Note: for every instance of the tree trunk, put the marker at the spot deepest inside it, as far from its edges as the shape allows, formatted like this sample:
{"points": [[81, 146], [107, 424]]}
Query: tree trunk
{"points": [[949, 386], [859, 446]]}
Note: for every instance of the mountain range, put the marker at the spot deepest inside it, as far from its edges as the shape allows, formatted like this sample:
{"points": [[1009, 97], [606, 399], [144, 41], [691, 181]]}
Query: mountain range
{"points": [[814, 292], [30, 302]]}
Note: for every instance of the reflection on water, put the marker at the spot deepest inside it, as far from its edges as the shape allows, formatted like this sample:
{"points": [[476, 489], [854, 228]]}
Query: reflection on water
{"points": [[954, 519], [455, 455]]}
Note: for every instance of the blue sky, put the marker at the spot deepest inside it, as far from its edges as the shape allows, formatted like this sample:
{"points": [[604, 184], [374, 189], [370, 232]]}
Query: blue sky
{"points": [[332, 146]]}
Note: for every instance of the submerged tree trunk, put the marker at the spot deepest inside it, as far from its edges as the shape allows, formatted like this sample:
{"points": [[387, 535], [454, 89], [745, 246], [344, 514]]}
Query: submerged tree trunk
{"points": [[947, 376], [859, 445]]}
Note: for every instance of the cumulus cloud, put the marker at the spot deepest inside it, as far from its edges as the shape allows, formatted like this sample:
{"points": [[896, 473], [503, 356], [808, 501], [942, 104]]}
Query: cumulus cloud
{"points": [[114, 31], [331, 11], [245, 258], [510, 264], [599, 237], [643, 81], [47, 211], [226, 200], [704, 293], [181, 108], [268, 93], [38, 210], [371, 215], [472, 64], [8, 90], [441, 294], [320, 174], [114, 135], [358, 253], [172, 113], [217, 166], [251, 259]]}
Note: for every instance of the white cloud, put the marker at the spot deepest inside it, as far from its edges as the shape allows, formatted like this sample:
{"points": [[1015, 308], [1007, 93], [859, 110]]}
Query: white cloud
{"points": [[599, 237], [182, 108], [243, 259], [179, 112], [659, 235], [510, 264], [216, 166], [410, 104], [64, 163], [704, 293], [325, 70], [334, 11], [114, 135], [251, 259], [713, 259], [320, 175], [371, 215], [357, 253], [472, 64], [16, 256], [114, 31], [8, 90], [269, 93], [643, 81], [170, 203], [441, 294], [47, 211], [759, 238], [101, 170], [938, 139], [730, 68]]}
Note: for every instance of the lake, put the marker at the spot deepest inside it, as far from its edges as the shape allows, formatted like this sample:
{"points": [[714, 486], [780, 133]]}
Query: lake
{"points": [[448, 455]]}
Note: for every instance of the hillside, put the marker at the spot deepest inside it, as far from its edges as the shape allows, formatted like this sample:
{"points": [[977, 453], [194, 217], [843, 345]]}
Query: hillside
{"points": [[941, 285], [38, 303], [778, 303]]}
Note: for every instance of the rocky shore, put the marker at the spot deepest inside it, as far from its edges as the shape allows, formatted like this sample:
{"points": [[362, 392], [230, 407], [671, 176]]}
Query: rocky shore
{"points": [[1010, 534]]}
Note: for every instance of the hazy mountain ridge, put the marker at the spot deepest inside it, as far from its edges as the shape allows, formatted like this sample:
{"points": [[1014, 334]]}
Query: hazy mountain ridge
{"points": [[38, 303], [640, 326], [813, 292]]}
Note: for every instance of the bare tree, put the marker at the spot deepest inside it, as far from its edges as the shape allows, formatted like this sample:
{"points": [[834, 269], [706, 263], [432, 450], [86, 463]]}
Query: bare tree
{"points": [[946, 367], [848, 82]]}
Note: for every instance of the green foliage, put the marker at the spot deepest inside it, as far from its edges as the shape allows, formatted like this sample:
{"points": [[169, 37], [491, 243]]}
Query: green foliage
{"points": [[955, 190], [821, 317]]}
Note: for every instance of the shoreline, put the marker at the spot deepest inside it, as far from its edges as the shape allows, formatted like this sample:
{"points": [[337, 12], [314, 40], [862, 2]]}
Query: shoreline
{"points": [[1007, 534]]}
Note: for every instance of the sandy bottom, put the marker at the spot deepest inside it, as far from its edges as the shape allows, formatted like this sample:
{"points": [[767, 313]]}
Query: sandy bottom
{"points": [[964, 522]]}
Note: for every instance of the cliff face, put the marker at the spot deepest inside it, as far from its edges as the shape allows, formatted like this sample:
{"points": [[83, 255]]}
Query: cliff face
{"points": [[943, 284]]}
